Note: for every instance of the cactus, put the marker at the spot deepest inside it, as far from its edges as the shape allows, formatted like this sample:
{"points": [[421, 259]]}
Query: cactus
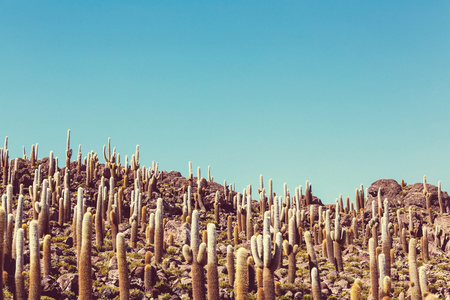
{"points": [[35, 266], [114, 227], [124, 283], [241, 282], [413, 271], [373, 268], [423, 280], [85, 277], [212, 273], [291, 249], [424, 243], [159, 231], [230, 228], [196, 255], [355, 291], [230, 265], [47, 255], [261, 251], [2, 234], [441, 204], [249, 224], [18, 223], [18, 277], [68, 151], [79, 218], [98, 217], [134, 232], [315, 284], [330, 250], [338, 236]]}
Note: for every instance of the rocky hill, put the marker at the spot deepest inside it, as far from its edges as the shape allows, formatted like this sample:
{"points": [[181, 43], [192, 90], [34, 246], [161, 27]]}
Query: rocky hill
{"points": [[174, 277]]}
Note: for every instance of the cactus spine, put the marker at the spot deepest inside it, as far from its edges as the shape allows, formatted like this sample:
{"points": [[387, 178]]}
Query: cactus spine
{"points": [[85, 279], [124, 283], [35, 266]]}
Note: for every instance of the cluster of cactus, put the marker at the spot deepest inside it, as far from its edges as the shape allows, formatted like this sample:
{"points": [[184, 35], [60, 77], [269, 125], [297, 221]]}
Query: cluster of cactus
{"points": [[281, 218]]}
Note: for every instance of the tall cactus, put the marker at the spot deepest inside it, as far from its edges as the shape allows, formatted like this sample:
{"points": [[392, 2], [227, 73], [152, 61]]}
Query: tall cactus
{"points": [[196, 255], [262, 254], [2, 234], [315, 284], [35, 265], [85, 278], [18, 223], [373, 268], [330, 250], [291, 249], [241, 283], [212, 273], [159, 231], [18, 276], [413, 271], [124, 282]]}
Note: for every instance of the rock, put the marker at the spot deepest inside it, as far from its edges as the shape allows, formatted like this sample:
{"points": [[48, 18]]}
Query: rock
{"points": [[181, 232], [113, 263], [68, 282]]}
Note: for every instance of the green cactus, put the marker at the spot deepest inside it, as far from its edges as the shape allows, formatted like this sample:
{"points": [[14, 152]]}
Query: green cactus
{"points": [[230, 265]]}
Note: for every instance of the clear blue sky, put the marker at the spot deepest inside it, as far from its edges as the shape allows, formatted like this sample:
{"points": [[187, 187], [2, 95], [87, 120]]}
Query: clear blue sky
{"points": [[335, 92]]}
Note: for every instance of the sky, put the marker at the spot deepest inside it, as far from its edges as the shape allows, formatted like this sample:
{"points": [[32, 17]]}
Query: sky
{"points": [[339, 93]]}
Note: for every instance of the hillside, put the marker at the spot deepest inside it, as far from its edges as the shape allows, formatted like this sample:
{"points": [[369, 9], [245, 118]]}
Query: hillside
{"points": [[171, 277]]}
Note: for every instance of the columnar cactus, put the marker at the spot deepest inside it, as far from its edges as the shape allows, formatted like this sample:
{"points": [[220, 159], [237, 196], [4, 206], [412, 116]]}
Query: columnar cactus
{"points": [[85, 278], [124, 282], [338, 236], [18, 223], [373, 268], [35, 265], [315, 284], [196, 255], [79, 225], [241, 282], [424, 244], [261, 251], [99, 218], [159, 231], [441, 204], [18, 277], [249, 225], [2, 233], [291, 249], [423, 280], [230, 264], [47, 254], [330, 250], [42, 208], [212, 273], [413, 271]]}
